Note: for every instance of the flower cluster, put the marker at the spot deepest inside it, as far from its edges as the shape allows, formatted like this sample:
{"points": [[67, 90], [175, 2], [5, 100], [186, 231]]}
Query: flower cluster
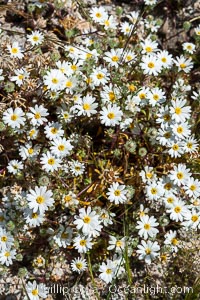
{"points": [[100, 148]]}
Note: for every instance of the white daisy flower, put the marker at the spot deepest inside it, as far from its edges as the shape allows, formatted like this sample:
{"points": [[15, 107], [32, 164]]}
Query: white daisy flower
{"points": [[148, 251], [183, 64], [191, 219], [180, 174], [111, 115], [189, 47], [146, 227], [86, 106], [54, 80], [35, 38], [7, 256], [177, 210], [14, 117], [14, 166], [171, 240], [15, 50], [79, 265], [53, 130], [82, 244], [37, 115], [179, 111], [113, 57], [108, 271], [33, 219], [69, 199], [49, 162], [150, 65], [117, 244], [99, 76], [61, 147], [36, 291], [20, 76], [40, 199], [6, 239], [98, 14], [88, 222], [64, 237], [117, 193]]}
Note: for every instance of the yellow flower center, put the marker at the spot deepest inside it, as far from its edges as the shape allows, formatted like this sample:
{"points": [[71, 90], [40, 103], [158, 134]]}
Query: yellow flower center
{"points": [[154, 191], [34, 215], [79, 265], [111, 115], [180, 175], [51, 161], [35, 38], [148, 251], [147, 226], [54, 130], [83, 242], [61, 147], [117, 192], [151, 65], [74, 67], [189, 145], [128, 57], [86, 106], [54, 80], [148, 49], [142, 95], [68, 198], [167, 135], [32, 132], [30, 151], [178, 110], [131, 88], [156, 97], [174, 242], [119, 244], [68, 84], [115, 58], [175, 147], [167, 117], [100, 76], [170, 200], [4, 238], [34, 292], [64, 235], [20, 76], [108, 271], [14, 50], [193, 187], [163, 59], [168, 186], [14, 117], [180, 129], [149, 175], [195, 218], [88, 55], [111, 96], [182, 66], [106, 22], [87, 219], [98, 15], [177, 209], [39, 260], [40, 199], [37, 116]]}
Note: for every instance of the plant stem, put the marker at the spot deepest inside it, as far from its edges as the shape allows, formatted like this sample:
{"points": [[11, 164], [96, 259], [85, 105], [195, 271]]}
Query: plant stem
{"points": [[92, 277]]}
